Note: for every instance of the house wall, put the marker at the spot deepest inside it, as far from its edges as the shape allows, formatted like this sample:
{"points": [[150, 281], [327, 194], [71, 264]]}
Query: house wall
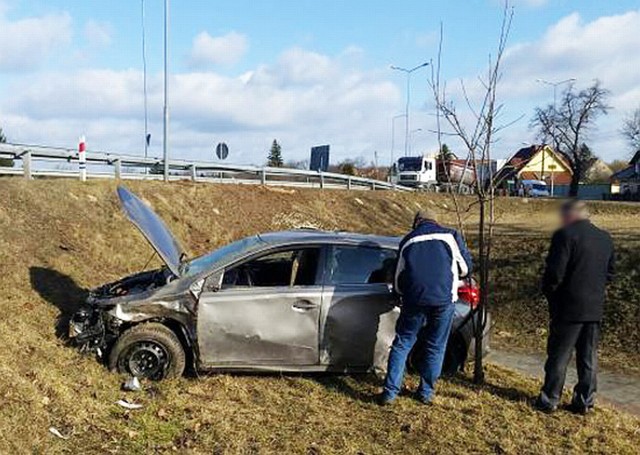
{"points": [[545, 164]]}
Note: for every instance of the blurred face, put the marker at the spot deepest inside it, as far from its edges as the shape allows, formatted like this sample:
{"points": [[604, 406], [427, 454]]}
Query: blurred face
{"points": [[568, 217]]}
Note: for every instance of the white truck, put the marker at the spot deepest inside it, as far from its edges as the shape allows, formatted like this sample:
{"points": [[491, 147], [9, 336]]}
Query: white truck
{"points": [[429, 173]]}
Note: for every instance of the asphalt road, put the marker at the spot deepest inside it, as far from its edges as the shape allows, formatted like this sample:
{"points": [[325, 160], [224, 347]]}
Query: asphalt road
{"points": [[620, 390]]}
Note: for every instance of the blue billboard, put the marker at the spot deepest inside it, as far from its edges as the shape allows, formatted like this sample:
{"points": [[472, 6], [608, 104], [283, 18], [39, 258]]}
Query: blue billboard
{"points": [[319, 158]]}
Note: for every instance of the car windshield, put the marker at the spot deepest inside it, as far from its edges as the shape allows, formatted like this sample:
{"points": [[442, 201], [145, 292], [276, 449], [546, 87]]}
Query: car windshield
{"points": [[411, 164], [222, 255], [539, 187]]}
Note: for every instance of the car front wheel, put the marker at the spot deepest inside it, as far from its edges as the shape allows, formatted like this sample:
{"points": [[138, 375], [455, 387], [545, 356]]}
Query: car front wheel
{"points": [[148, 351]]}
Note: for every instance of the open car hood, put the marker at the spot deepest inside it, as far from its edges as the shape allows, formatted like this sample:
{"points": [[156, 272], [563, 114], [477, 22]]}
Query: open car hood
{"points": [[153, 228]]}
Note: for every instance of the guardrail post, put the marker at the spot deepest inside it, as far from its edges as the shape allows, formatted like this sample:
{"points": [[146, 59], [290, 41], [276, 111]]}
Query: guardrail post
{"points": [[348, 183], [321, 180], [26, 164], [373, 185], [194, 173], [263, 176], [118, 169]]}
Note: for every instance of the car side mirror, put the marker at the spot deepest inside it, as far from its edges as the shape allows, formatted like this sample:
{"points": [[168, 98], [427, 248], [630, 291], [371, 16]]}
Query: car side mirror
{"points": [[214, 282]]}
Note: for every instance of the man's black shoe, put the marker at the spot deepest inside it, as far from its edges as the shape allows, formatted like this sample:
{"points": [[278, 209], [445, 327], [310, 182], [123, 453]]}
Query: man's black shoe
{"points": [[579, 409], [422, 399], [542, 406], [384, 399]]}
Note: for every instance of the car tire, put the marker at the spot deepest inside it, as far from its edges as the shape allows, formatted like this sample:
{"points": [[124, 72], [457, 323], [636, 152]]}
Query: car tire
{"points": [[148, 351], [455, 357]]}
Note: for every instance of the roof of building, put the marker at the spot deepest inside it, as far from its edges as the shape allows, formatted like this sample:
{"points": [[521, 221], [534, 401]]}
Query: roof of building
{"points": [[524, 156], [630, 172]]}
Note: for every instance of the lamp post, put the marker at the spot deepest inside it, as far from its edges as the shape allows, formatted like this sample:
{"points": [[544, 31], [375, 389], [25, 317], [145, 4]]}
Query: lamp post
{"points": [[555, 85], [393, 135], [165, 129], [411, 137], [408, 73]]}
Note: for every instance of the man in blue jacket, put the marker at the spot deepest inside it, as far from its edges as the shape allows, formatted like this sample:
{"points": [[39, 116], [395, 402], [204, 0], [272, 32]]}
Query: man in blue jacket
{"points": [[431, 261]]}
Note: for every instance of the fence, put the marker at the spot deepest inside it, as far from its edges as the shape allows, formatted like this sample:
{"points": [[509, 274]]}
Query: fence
{"points": [[39, 161], [592, 192]]}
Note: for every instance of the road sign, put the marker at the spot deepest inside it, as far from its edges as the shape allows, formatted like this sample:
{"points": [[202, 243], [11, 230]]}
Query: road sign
{"points": [[222, 151], [82, 158], [319, 158]]}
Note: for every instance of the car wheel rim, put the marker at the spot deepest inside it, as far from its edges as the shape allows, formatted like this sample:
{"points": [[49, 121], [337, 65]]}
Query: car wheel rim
{"points": [[147, 360]]}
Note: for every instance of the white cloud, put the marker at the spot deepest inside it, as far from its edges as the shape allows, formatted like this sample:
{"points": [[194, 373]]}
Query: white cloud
{"points": [[302, 99], [210, 50], [605, 49], [97, 34], [26, 43]]}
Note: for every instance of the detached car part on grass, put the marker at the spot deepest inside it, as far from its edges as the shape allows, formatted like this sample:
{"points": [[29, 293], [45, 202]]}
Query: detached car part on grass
{"points": [[295, 301]]}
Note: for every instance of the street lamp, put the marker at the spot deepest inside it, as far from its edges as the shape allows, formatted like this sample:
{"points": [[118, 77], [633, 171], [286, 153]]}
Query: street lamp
{"points": [[411, 137], [555, 85], [408, 72], [165, 129], [393, 135], [555, 88]]}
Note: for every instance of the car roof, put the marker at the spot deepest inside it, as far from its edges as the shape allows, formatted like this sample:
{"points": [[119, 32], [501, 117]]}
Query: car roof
{"points": [[301, 236]]}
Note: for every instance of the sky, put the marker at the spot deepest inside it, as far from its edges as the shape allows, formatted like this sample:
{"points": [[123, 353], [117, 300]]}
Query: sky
{"points": [[304, 72]]}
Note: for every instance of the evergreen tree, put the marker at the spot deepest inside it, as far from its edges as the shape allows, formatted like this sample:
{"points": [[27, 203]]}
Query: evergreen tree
{"points": [[275, 155], [445, 153]]}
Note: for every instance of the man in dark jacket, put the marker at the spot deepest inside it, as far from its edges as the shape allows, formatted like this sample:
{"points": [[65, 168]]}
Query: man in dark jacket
{"points": [[579, 266], [431, 261]]}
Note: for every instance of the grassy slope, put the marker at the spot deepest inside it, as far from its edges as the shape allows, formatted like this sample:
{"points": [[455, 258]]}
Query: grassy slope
{"points": [[61, 237]]}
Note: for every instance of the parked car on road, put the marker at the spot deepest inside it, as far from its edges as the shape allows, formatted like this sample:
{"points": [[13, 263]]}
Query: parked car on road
{"points": [[533, 188], [294, 301]]}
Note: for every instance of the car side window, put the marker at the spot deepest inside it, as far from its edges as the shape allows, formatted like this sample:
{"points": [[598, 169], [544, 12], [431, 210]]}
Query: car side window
{"points": [[360, 265], [296, 267]]}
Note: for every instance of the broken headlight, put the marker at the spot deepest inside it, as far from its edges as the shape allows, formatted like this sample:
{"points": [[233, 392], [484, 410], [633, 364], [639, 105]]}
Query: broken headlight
{"points": [[86, 328]]}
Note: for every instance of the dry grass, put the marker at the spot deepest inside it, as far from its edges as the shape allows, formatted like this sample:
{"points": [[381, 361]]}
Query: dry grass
{"points": [[61, 237]]}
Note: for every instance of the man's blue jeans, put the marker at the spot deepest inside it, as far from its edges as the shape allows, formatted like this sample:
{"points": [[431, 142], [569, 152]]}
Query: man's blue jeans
{"points": [[436, 321]]}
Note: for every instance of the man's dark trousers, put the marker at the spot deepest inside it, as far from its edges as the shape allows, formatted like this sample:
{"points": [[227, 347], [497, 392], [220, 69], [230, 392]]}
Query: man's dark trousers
{"points": [[564, 337]]}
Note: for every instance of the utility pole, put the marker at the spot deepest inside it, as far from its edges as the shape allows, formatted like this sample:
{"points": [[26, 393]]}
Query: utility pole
{"points": [[165, 132], [393, 136], [144, 71], [408, 73], [555, 94], [411, 138], [555, 85]]}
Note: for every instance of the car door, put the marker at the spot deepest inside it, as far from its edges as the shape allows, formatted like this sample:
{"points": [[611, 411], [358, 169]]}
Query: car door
{"points": [[360, 312], [265, 313]]}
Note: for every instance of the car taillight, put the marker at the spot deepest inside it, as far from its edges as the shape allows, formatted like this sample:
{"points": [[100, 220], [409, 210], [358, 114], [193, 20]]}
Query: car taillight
{"points": [[469, 294]]}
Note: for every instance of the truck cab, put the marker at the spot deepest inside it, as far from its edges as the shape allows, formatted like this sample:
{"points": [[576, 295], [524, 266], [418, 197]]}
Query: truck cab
{"points": [[416, 171]]}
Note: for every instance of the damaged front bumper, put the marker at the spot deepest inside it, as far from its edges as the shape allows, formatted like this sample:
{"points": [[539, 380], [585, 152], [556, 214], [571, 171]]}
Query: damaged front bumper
{"points": [[93, 330]]}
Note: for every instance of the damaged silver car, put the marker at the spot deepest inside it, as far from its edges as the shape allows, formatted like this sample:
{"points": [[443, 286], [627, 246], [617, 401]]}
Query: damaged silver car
{"points": [[295, 301]]}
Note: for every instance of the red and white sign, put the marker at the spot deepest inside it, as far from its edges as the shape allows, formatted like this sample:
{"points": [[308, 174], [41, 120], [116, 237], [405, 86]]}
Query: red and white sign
{"points": [[82, 158]]}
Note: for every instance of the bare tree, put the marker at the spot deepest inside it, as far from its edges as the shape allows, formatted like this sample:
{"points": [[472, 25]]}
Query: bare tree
{"points": [[567, 125], [478, 137], [631, 130]]}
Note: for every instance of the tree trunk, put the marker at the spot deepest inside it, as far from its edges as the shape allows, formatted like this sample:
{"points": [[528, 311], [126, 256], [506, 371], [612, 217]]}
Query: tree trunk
{"points": [[575, 182], [479, 316]]}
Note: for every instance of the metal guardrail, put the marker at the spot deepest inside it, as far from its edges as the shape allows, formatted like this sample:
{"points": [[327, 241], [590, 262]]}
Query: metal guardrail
{"points": [[41, 161]]}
